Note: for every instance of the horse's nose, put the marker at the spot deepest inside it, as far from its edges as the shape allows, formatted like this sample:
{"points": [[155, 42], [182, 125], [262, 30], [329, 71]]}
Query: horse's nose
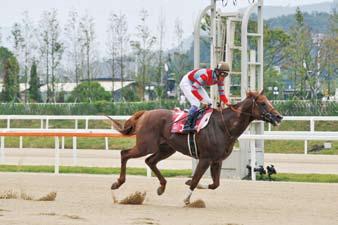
{"points": [[279, 117]]}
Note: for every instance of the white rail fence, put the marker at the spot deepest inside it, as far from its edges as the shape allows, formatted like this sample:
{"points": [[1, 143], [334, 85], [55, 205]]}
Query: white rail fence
{"points": [[45, 125], [333, 136], [45, 121], [306, 136], [312, 125]]}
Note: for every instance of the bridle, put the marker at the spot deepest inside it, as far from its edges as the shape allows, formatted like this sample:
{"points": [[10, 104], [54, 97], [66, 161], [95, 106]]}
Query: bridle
{"points": [[264, 111], [264, 115]]}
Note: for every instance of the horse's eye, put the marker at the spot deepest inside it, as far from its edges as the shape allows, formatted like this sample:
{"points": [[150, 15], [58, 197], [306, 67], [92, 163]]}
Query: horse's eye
{"points": [[263, 104]]}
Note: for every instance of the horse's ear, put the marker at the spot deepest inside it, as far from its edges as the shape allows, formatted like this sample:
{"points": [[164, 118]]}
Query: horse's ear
{"points": [[248, 93], [261, 92]]}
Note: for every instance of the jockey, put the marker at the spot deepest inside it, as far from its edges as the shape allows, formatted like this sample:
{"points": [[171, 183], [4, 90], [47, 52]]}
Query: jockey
{"points": [[192, 86]]}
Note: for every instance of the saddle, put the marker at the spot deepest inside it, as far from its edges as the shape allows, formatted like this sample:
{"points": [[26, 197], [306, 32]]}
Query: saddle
{"points": [[180, 117]]}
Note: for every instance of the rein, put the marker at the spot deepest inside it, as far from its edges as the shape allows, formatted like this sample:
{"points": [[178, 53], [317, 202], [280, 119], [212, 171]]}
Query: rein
{"points": [[254, 103], [240, 112], [262, 116]]}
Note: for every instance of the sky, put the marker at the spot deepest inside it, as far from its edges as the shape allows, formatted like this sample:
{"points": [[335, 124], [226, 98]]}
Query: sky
{"points": [[184, 10]]}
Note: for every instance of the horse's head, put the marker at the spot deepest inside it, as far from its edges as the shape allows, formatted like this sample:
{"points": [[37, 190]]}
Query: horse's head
{"points": [[262, 108]]}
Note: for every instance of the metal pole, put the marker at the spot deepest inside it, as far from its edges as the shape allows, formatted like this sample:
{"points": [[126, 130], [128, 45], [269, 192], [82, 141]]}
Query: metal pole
{"points": [[57, 156], [63, 143], [260, 51], [253, 159], [2, 149], [305, 147], [213, 57], [75, 145], [148, 171], [106, 143], [86, 124], [252, 70], [197, 37], [21, 143], [312, 125]]}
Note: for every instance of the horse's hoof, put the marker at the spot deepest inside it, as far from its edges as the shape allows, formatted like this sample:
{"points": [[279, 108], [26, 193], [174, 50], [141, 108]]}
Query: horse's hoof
{"points": [[160, 190], [188, 182], [186, 202], [115, 185]]}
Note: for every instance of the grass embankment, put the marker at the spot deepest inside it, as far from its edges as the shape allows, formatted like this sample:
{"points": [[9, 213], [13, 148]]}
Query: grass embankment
{"points": [[314, 178], [124, 143]]}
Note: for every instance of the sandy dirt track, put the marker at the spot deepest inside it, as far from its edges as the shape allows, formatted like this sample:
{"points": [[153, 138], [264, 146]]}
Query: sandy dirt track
{"points": [[86, 199]]}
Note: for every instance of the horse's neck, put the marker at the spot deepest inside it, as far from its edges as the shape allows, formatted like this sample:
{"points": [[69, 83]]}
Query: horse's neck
{"points": [[239, 122]]}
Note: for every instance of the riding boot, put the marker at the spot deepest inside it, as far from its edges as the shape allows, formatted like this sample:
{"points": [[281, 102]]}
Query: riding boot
{"points": [[189, 126]]}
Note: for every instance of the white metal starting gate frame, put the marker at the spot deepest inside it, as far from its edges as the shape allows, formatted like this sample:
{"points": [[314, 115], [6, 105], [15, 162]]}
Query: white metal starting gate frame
{"points": [[224, 45]]}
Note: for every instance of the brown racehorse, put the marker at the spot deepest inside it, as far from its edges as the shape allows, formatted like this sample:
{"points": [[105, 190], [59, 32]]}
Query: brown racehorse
{"points": [[214, 143]]}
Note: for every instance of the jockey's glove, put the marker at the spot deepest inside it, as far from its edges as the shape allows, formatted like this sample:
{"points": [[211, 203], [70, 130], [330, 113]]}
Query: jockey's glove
{"points": [[205, 104]]}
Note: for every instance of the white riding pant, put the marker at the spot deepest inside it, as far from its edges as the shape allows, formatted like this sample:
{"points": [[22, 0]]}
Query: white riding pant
{"points": [[186, 87]]}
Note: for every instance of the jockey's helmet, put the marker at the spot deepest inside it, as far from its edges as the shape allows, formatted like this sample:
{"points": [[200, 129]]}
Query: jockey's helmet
{"points": [[223, 68]]}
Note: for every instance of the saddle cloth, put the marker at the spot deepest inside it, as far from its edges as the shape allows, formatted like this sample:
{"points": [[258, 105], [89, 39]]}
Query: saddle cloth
{"points": [[180, 117]]}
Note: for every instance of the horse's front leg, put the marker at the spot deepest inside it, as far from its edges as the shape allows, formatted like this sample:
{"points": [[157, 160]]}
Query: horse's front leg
{"points": [[215, 169], [202, 166]]}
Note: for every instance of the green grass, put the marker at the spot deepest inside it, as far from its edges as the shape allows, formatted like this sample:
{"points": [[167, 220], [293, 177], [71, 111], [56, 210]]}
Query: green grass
{"points": [[89, 170], [312, 178], [82, 143], [272, 146], [289, 177]]}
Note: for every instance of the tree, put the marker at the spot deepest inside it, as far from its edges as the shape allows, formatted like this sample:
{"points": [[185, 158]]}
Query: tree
{"points": [[51, 49], [16, 39], [160, 67], [72, 32], [300, 60], [275, 41], [27, 47], [89, 92], [0, 36], [179, 60], [34, 85], [122, 39], [9, 67], [328, 58], [112, 48], [143, 46], [87, 39]]}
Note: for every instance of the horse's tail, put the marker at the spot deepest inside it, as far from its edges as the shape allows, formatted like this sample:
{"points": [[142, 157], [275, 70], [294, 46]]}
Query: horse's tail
{"points": [[129, 125]]}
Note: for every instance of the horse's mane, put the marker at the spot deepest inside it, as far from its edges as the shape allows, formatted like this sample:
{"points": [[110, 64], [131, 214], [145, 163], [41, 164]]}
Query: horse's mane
{"points": [[249, 94]]}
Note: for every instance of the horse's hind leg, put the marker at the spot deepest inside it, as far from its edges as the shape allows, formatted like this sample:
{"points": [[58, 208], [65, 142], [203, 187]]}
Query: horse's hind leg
{"points": [[125, 155], [164, 152]]}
